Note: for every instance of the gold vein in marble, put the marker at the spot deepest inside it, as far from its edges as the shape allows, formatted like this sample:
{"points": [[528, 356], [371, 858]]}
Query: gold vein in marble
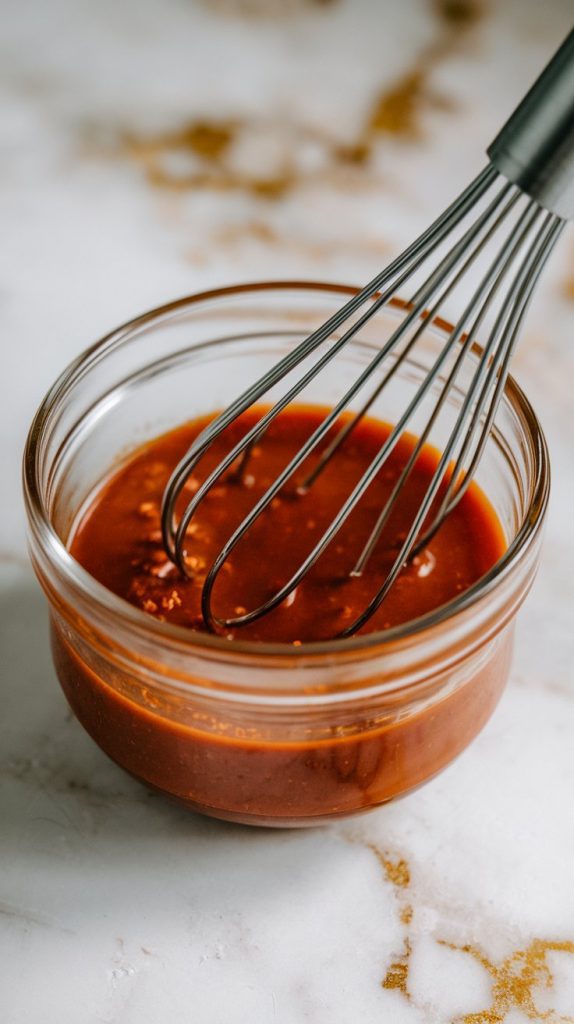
{"points": [[459, 13], [398, 110], [568, 284], [198, 155], [397, 975], [263, 10], [406, 914], [397, 872], [514, 980]]}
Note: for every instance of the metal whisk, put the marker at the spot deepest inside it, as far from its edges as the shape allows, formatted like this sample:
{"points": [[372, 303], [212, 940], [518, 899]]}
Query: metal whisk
{"points": [[525, 194]]}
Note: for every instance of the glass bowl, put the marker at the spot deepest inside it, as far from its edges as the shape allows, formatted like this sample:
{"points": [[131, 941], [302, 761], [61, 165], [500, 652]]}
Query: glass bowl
{"points": [[266, 734]]}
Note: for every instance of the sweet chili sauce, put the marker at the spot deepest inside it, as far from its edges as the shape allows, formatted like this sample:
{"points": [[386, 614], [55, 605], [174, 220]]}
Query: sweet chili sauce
{"points": [[119, 541], [251, 762]]}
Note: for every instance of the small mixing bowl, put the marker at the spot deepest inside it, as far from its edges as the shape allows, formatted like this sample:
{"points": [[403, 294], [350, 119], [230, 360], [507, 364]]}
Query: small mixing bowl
{"points": [[266, 734]]}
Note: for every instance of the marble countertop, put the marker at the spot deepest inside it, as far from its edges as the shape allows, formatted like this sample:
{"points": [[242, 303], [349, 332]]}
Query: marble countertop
{"points": [[148, 150]]}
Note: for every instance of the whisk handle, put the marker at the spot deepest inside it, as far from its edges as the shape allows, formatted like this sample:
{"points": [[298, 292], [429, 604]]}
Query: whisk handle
{"points": [[535, 149]]}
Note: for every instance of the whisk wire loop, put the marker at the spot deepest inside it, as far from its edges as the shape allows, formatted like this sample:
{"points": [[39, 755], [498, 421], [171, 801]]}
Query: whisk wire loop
{"points": [[521, 291], [496, 274], [460, 478], [396, 272], [482, 298], [441, 274], [419, 300], [526, 245], [447, 267]]}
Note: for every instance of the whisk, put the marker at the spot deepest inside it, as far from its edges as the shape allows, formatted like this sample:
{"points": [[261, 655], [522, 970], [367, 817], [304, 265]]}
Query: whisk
{"points": [[524, 195]]}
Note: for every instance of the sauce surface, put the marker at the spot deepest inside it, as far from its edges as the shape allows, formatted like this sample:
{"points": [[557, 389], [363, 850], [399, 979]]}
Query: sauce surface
{"points": [[118, 539]]}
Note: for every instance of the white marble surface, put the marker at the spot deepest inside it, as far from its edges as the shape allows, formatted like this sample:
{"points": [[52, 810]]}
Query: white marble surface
{"points": [[114, 906]]}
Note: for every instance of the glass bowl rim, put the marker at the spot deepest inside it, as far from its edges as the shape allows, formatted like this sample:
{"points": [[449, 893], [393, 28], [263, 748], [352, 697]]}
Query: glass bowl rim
{"points": [[196, 642]]}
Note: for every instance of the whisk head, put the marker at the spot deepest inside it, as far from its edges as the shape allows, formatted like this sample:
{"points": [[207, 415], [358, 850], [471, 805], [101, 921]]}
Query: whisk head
{"points": [[491, 219]]}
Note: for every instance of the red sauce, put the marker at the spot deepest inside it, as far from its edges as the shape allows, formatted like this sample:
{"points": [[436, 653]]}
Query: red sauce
{"points": [[209, 754], [119, 541]]}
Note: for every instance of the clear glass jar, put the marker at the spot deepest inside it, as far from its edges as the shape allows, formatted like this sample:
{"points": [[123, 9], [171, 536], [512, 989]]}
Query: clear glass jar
{"points": [[259, 733]]}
